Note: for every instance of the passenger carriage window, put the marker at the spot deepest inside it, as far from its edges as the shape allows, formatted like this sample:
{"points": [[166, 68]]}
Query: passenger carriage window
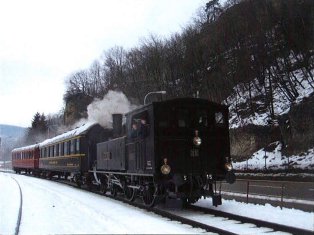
{"points": [[62, 149], [68, 144], [65, 148], [57, 150], [72, 144], [77, 147], [68, 148]]}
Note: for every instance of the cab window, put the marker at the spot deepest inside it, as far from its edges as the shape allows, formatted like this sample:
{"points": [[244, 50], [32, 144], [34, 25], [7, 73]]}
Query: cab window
{"points": [[140, 125]]}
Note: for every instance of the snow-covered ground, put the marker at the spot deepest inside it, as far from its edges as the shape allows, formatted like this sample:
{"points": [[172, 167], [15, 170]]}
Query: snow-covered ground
{"points": [[276, 160], [52, 208]]}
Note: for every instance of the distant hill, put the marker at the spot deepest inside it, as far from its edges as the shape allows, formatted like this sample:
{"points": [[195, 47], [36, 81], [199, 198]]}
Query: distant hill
{"points": [[8, 131], [11, 137]]}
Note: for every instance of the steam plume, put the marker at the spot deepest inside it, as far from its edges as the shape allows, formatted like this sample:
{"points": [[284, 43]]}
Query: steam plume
{"points": [[101, 111]]}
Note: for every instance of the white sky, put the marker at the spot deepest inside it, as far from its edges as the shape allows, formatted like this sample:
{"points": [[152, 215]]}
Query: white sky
{"points": [[44, 41]]}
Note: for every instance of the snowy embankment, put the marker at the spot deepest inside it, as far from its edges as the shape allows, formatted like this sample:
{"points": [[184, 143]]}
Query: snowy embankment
{"points": [[52, 208], [9, 204], [275, 160]]}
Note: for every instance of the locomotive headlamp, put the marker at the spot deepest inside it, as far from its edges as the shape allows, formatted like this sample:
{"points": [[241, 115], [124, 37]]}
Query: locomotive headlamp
{"points": [[165, 168], [197, 140], [228, 166]]}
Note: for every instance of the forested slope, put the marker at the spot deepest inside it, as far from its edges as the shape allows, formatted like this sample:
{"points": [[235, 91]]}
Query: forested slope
{"points": [[255, 55]]}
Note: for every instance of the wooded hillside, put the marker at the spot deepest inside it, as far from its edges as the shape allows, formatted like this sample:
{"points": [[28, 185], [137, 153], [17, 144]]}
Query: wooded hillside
{"points": [[263, 48]]}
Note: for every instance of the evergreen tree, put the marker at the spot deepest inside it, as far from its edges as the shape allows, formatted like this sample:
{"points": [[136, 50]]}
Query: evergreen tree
{"points": [[38, 130]]}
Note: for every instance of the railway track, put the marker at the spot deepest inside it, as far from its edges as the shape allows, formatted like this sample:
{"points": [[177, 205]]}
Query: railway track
{"points": [[248, 220], [254, 226], [19, 217], [191, 214]]}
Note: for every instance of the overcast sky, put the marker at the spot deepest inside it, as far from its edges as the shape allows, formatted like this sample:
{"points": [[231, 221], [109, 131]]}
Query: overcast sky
{"points": [[44, 41]]}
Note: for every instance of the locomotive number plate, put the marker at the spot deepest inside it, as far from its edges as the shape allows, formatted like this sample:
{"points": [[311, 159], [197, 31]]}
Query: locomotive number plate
{"points": [[106, 156], [195, 153]]}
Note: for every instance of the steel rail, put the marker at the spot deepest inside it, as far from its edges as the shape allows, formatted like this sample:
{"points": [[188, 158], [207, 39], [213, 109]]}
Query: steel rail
{"points": [[258, 223], [18, 223]]}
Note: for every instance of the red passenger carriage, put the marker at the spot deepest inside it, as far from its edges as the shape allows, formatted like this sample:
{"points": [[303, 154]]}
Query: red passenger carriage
{"points": [[26, 158]]}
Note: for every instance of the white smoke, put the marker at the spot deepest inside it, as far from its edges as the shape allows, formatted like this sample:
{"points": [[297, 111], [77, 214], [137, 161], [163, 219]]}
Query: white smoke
{"points": [[100, 111]]}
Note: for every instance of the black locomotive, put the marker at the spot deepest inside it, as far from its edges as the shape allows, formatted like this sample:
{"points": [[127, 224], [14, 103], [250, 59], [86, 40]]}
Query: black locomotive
{"points": [[174, 150]]}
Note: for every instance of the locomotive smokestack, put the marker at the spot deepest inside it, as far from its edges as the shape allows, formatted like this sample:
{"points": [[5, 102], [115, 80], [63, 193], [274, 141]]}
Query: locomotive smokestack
{"points": [[117, 124]]}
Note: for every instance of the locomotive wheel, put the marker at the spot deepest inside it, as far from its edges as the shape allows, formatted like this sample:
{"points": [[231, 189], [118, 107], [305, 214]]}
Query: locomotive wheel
{"points": [[129, 193], [78, 181], [149, 195], [103, 185], [113, 190], [79, 184]]}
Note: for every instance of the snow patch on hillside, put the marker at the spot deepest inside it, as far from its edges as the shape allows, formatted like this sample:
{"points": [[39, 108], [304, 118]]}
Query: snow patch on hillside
{"points": [[238, 101], [275, 160]]}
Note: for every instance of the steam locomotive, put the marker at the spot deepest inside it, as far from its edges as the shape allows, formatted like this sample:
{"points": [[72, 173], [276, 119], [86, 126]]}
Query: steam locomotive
{"points": [[173, 150]]}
